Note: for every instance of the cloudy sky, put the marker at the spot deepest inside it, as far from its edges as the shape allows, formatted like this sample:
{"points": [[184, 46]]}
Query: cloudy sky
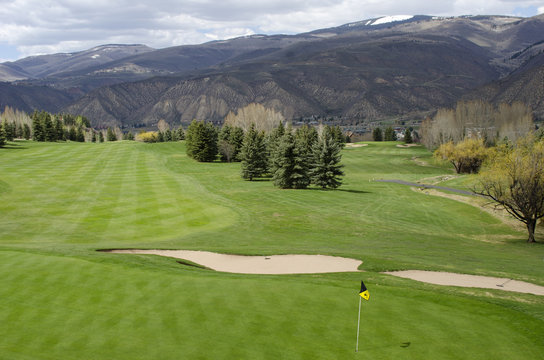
{"points": [[30, 27]]}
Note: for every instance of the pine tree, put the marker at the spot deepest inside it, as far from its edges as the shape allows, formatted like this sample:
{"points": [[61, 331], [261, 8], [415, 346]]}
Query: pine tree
{"points": [[8, 136], [2, 135], [202, 141], [377, 134], [72, 134], [408, 136], [253, 154], [49, 130], [38, 133], [110, 135], [57, 124], [80, 136], [389, 134], [272, 144], [180, 134], [326, 168], [26, 132], [292, 164], [101, 136]]}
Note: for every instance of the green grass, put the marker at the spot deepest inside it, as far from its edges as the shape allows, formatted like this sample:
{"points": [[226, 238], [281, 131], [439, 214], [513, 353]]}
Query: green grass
{"points": [[60, 299]]}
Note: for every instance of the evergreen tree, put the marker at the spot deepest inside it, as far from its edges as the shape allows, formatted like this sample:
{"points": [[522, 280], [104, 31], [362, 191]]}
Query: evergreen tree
{"points": [[180, 134], [49, 130], [307, 136], [72, 134], [59, 129], [8, 133], [80, 136], [253, 154], [272, 144], [168, 135], [100, 136], [377, 134], [160, 136], [408, 136], [292, 164], [338, 135], [2, 135], [26, 132], [202, 141], [326, 167], [93, 137], [389, 134], [110, 135], [230, 142], [18, 131], [37, 127], [130, 136]]}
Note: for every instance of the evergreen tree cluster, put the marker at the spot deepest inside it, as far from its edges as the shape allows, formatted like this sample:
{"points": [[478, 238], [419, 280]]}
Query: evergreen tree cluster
{"points": [[294, 159], [201, 141], [61, 127]]}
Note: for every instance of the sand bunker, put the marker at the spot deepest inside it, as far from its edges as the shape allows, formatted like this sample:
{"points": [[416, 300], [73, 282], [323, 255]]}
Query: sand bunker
{"points": [[274, 264], [407, 145], [352, 145], [452, 279]]}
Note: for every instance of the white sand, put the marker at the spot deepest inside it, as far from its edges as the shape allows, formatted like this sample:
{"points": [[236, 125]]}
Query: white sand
{"points": [[352, 145], [274, 264], [452, 279]]}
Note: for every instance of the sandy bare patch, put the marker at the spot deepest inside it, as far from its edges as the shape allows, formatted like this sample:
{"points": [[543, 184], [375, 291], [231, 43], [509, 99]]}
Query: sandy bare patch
{"points": [[419, 162], [350, 145], [273, 264], [407, 145], [475, 281]]}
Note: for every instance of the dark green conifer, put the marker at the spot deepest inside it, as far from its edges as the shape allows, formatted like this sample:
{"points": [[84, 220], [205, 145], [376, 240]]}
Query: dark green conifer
{"points": [[201, 141], [377, 134], [408, 136], [253, 154], [326, 170]]}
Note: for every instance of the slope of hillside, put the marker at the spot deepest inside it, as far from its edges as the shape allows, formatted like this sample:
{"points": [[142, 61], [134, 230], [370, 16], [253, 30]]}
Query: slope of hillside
{"points": [[353, 80], [35, 67], [374, 69], [525, 85], [29, 98]]}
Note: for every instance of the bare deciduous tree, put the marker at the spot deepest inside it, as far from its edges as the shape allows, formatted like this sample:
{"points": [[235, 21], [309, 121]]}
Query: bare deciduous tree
{"points": [[264, 119]]}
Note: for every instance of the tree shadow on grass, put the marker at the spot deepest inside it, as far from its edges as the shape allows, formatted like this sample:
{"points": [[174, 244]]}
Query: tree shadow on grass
{"points": [[352, 191], [12, 146]]}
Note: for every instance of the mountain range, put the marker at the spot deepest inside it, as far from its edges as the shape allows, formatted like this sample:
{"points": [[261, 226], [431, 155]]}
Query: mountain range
{"points": [[391, 68]]}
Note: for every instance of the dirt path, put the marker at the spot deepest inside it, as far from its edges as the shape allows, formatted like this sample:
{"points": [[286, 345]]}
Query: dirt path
{"points": [[273, 264], [463, 280]]}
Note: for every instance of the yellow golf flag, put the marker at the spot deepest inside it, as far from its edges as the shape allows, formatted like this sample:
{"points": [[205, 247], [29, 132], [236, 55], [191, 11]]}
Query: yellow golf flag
{"points": [[364, 292]]}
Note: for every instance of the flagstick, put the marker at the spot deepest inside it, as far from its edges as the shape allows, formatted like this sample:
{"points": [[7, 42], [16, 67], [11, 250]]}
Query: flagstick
{"points": [[358, 322]]}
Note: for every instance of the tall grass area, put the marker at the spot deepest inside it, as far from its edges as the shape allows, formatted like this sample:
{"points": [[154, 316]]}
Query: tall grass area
{"points": [[61, 299]]}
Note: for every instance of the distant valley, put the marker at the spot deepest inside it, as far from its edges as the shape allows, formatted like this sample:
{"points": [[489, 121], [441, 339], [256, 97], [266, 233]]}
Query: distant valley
{"points": [[378, 69]]}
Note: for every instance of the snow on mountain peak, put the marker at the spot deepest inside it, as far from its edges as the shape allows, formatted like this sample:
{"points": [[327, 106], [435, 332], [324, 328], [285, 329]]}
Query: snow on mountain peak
{"points": [[393, 18]]}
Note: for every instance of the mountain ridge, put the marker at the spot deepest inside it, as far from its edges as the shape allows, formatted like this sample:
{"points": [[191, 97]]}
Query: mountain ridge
{"points": [[357, 72]]}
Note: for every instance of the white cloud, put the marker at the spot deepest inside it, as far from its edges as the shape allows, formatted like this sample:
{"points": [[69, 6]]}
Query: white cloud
{"points": [[37, 26]]}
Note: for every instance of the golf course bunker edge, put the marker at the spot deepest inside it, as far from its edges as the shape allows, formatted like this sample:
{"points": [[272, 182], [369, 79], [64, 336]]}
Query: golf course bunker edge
{"points": [[465, 280], [265, 265]]}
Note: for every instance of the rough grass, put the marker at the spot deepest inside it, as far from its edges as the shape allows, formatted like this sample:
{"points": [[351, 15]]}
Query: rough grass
{"points": [[60, 299]]}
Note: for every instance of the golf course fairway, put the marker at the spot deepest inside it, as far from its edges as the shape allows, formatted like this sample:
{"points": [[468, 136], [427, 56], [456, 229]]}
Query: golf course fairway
{"points": [[60, 298]]}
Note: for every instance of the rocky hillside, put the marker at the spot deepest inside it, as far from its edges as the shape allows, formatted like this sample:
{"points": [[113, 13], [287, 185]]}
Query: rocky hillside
{"points": [[369, 70]]}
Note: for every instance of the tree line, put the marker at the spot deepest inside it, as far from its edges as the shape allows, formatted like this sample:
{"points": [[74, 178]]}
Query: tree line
{"points": [[294, 159]]}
